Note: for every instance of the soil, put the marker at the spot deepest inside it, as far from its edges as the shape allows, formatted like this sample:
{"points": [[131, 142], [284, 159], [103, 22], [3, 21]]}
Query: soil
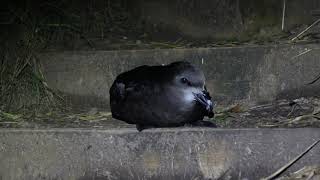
{"points": [[302, 112]]}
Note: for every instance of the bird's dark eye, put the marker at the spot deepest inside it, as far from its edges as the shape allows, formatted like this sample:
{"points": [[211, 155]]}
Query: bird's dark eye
{"points": [[185, 81]]}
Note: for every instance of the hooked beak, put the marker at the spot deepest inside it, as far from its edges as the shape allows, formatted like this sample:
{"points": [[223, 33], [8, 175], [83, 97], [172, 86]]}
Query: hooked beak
{"points": [[204, 99]]}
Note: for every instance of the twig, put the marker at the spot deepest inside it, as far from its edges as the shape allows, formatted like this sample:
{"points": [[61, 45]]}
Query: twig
{"points": [[269, 125], [164, 44], [18, 72], [223, 175], [300, 171], [283, 168], [279, 103], [313, 24], [109, 8], [292, 110], [304, 52], [283, 14], [290, 121], [310, 175], [299, 118], [315, 80], [8, 122]]}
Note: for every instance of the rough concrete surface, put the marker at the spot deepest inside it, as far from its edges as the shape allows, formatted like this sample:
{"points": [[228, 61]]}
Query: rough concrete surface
{"points": [[179, 153], [249, 75]]}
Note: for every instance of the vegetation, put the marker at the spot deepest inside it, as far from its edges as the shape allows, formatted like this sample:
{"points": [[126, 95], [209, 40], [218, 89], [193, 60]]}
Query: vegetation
{"points": [[32, 27]]}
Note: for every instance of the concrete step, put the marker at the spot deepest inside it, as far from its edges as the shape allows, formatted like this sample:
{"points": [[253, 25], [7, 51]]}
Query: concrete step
{"points": [[177, 153], [246, 75]]}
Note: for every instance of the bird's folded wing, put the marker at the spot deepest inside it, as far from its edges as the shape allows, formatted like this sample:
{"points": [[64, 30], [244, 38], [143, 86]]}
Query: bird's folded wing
{"points": [[132, 90]]}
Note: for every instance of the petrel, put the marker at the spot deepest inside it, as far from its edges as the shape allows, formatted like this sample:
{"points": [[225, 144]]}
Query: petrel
{"points": [[161, 96]]}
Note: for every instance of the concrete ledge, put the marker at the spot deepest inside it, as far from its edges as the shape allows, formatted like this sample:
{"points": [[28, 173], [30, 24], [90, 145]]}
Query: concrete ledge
{"points": [[180, 153], [246, 75]]}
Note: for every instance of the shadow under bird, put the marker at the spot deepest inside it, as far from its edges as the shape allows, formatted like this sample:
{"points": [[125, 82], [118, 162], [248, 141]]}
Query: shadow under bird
{"points": [[161, 96]]}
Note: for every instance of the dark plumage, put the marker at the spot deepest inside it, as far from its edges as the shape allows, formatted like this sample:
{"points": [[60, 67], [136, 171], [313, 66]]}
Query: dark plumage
{"points": [[161, 96]]}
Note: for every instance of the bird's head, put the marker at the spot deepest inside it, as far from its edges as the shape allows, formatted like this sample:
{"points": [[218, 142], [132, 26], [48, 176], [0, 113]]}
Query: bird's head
{"points": [[190, 81]]}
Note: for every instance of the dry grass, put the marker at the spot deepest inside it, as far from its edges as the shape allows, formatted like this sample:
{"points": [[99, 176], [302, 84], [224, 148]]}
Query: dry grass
{"points": [[39, 24], [21, 80]]}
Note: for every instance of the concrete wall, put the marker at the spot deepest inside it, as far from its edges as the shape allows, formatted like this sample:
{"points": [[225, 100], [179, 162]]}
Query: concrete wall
{"points": [[74, 154], [246, 75]]}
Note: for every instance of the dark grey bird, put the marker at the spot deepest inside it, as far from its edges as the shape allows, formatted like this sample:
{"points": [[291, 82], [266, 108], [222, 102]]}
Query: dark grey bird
{"points": [[161, 96]]}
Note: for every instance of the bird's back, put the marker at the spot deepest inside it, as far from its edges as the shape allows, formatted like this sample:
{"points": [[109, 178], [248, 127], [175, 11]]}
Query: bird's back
{"points": [[134, 93]]}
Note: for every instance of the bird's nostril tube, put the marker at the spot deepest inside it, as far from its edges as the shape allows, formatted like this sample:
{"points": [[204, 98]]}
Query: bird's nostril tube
{"points": [[206, 95]]}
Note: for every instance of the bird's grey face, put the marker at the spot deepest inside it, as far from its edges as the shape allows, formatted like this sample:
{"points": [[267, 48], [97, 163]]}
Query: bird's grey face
{"points": [[191, 85], [190, 82]]}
